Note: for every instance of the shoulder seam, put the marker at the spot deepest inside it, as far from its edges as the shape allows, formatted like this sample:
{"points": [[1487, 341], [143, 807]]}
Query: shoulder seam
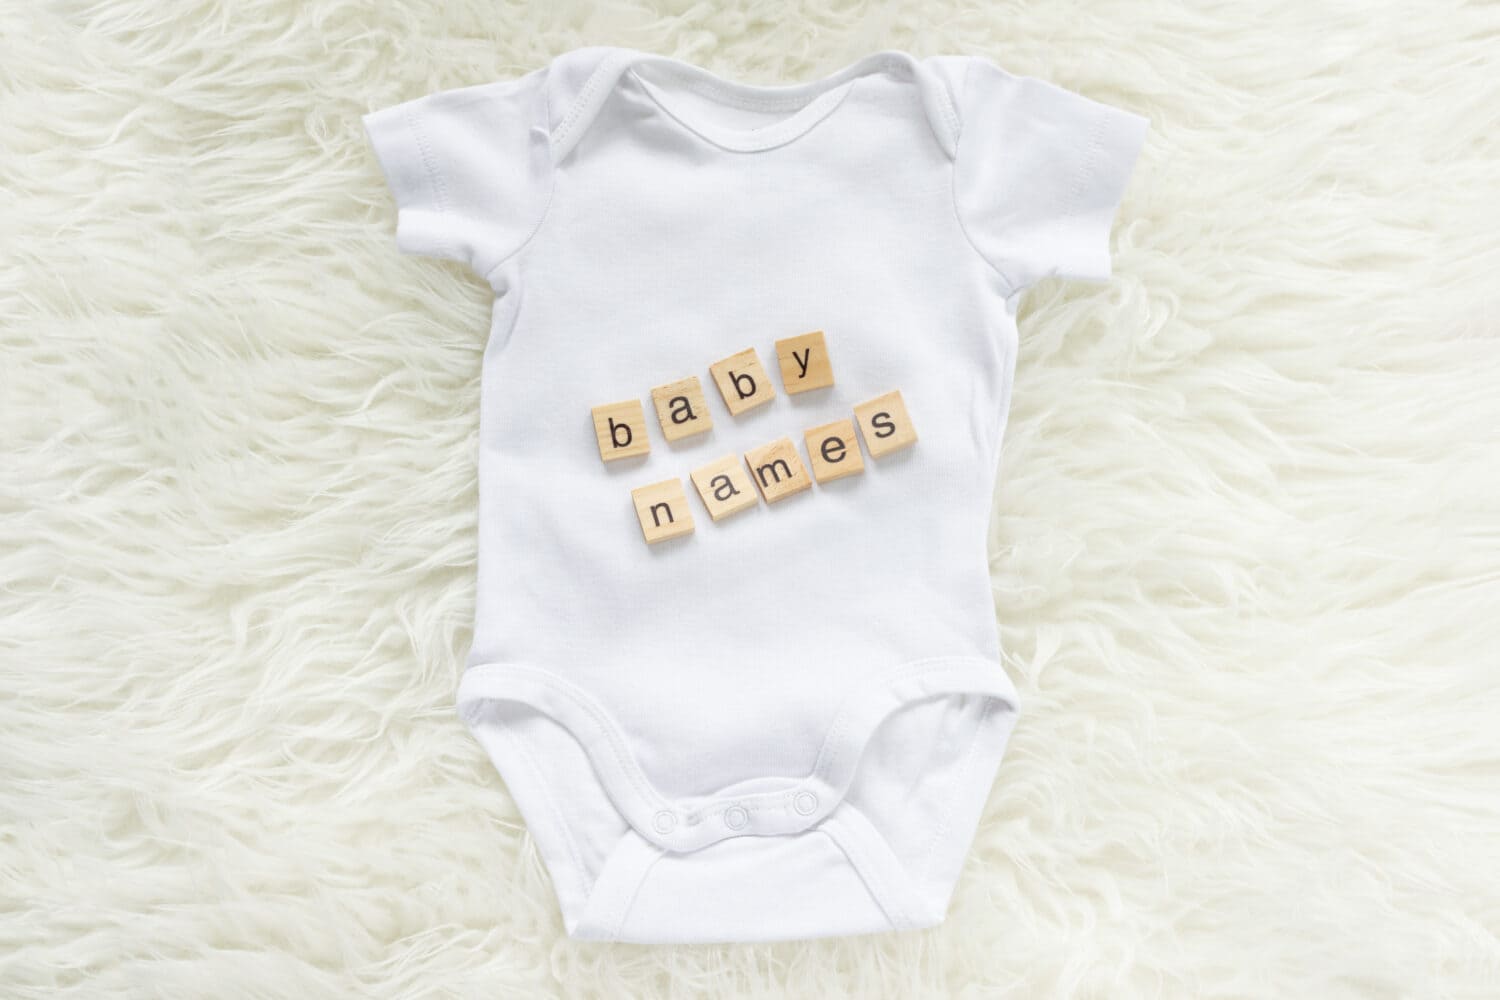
{"points": [[1011, 287], [570, 120], [536, 227], [950, 112]]}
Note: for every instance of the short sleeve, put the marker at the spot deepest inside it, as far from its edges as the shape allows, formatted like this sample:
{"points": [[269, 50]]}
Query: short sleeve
{"points": [[469, 169], [1040, 172]]}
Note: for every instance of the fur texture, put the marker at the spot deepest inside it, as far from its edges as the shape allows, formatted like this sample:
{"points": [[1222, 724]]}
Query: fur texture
{"points": [[1246, 542]]}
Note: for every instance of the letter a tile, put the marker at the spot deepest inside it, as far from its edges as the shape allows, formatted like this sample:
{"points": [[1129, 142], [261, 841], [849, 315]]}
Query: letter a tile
{"points": [[885, 425], [663, 510], [621, 430], [681, 408], [834, 451], [804, 362], [777, 470], [725, 487], [742, 382]]}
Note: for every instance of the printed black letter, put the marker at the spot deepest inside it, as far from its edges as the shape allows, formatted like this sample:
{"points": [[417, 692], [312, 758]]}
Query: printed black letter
{"points": [[761, 470], [802, 361], [657, 517], [882, 424], [739, 390], [614, 433], [834, 445], [723, 487], [683, 413]]}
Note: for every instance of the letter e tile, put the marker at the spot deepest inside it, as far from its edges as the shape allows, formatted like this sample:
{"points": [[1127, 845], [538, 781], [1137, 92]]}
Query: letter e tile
{"points": [[663, 510], [621, 430], [742, 382], [725, 487], [804, 362], [833, 451], [777, 470], [885, 425], [681, 408]]}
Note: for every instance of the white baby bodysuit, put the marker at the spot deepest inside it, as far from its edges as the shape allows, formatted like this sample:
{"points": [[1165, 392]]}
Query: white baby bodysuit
{"points": [[782, 723]]}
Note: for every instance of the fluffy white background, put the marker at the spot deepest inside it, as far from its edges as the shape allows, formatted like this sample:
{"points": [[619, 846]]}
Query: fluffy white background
{"points": [[1246, 543]]}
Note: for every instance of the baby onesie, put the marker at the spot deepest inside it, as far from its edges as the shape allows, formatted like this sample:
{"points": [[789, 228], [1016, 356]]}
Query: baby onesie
{"points": [[779, 720]]}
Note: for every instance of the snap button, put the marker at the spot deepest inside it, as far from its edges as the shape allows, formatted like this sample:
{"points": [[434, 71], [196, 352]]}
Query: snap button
{"points": [[805, 803], [664, 822], [735, 817]]}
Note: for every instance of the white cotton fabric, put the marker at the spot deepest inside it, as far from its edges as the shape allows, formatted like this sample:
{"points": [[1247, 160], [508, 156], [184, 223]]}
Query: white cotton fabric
{"points": [[785, 724]]}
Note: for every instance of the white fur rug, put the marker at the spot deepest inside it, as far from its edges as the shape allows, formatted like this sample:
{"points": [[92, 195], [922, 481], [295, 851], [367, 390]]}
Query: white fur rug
{"points": [[1246, 542]]}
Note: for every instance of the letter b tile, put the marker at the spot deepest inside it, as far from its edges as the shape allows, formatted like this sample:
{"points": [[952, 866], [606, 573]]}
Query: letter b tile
{"points": [[663, 510], [621, 430], [742, 382], [777, 471]]}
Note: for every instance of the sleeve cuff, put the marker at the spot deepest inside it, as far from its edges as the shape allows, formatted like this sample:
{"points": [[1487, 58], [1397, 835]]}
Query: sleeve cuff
{"points": [[398, 146], [1116, 146]]}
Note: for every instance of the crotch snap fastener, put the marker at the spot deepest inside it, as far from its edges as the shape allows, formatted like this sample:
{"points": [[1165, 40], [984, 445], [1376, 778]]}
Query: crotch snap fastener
{"points": [[805, 803], [735, 817], [664, 822]]}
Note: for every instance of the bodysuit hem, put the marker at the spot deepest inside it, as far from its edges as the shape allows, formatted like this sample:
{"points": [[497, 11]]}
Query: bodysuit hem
{"points": [[658, 826]]}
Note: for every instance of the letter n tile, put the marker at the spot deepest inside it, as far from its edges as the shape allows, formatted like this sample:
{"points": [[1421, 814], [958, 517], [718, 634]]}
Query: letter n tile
{"points": [[663, 510]]}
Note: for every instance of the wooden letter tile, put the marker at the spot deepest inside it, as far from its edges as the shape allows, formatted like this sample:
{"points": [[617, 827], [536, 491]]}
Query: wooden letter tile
{"points": [[804, 362], [621, 430], [742, 382], [777, 470], [834, 451], [663, 510], [885, 425], [681, 408], [725, 487]]}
